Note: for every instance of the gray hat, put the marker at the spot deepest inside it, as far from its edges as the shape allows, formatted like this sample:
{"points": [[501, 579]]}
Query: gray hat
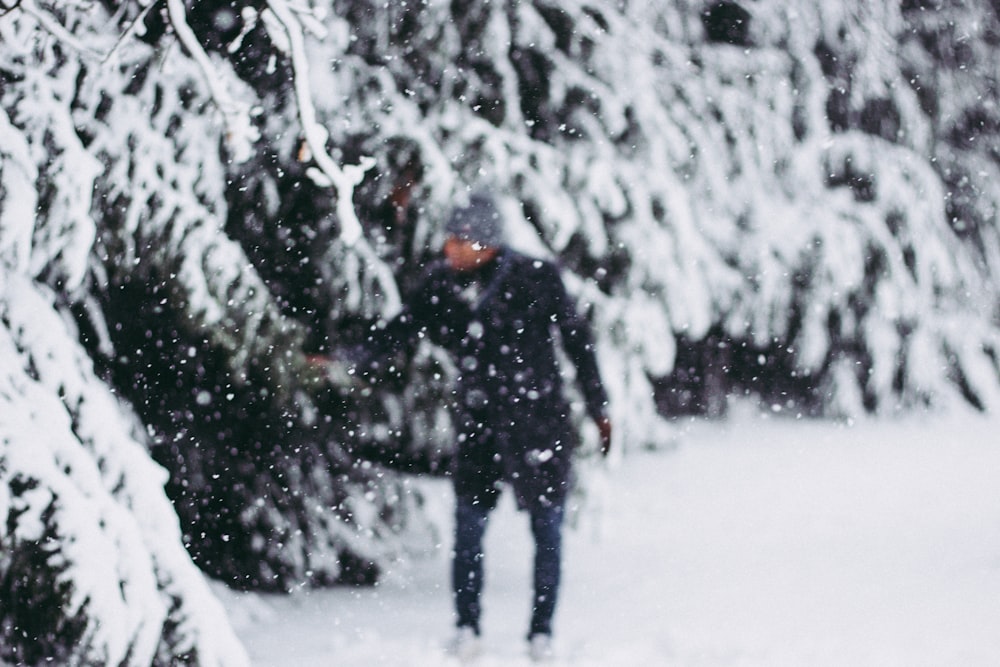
{"points": [[478, 222]]}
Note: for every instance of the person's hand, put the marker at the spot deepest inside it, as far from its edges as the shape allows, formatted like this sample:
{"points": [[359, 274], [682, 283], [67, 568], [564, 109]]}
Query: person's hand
{"points": [[314, 370], [604, 428], [320, 370]]}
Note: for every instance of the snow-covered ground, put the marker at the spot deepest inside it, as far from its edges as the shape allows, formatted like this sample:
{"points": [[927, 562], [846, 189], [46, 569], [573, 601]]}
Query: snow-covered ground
{"points": [[758, 541]]}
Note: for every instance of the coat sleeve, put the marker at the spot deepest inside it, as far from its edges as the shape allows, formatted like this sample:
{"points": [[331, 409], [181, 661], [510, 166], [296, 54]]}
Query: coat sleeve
{"points": [[578, 342]]}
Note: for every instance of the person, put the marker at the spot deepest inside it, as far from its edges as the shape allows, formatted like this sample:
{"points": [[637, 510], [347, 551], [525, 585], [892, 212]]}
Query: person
{"points": [[502, 316]]}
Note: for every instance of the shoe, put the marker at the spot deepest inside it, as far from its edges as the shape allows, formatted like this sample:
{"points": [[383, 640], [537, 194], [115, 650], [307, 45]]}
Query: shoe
{"points": [[540, 648], [465, 645]]}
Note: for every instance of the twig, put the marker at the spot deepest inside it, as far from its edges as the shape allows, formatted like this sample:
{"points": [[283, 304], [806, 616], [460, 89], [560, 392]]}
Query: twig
{"points": [[131, 30], [47, 22]]}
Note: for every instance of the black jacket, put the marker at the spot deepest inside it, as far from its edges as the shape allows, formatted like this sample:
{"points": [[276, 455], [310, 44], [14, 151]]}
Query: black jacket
{"points": [[502, 324]]}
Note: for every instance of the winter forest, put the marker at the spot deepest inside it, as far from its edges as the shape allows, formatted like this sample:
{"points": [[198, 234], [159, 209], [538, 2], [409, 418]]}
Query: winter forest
{"points": [[793, 202]]}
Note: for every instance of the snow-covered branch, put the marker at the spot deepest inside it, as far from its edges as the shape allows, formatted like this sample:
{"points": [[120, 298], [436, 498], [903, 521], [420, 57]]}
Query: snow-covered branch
{"points": [[133, 28], [49, 23], [240, 131], [343, 179]]}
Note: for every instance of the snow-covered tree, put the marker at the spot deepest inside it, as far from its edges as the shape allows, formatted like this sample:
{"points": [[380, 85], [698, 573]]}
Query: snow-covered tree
{"points": [[117, 279], [92, 566], [791, 200]]}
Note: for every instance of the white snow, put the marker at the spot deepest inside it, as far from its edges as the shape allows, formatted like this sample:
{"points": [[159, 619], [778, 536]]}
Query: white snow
{"points": [[97, 500], [757, 541]]}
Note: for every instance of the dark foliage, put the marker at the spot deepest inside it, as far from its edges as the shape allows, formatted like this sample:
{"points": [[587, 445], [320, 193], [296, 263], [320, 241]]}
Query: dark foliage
{"points": [[727, 22]]}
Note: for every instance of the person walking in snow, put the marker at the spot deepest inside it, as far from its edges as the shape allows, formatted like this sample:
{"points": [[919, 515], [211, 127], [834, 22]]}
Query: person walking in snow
{"points": [[502, 315]]}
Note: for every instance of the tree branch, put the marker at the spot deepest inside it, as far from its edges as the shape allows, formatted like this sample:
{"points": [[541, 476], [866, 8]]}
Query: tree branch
{"points": [[54, 27], [6, 9], [343, 179], [131, 30], [240, 132]]}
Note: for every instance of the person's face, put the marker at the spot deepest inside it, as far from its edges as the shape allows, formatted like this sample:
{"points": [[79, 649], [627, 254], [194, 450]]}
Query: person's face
{"points": [[465, 255]]}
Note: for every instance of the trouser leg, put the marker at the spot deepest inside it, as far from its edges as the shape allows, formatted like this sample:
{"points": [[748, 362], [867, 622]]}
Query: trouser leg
{"points": [[546, 526], [467, 561]]}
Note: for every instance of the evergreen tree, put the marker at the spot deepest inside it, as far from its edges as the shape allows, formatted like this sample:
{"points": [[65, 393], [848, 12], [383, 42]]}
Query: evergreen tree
{"points": [[790, 200]]}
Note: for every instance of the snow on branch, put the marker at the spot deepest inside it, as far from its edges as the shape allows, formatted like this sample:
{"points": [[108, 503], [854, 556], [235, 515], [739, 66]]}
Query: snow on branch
{"points": [[17, 177], [343, 179], [54, 27], [134, 27], [240, 132]]}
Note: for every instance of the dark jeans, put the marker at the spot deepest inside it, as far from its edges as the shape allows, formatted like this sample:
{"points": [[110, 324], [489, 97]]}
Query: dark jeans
{"points": [[467, 566]]}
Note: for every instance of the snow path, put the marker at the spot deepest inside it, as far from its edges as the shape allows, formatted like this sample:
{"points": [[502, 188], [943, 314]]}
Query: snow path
{"points": [[756, 542]]}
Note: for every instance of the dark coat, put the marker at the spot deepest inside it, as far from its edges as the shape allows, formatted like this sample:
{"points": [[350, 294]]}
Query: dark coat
{"points": [[502, 324]]}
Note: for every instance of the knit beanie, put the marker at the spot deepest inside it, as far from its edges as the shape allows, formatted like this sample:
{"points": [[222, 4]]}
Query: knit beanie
{"points": [[478, 222]]}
